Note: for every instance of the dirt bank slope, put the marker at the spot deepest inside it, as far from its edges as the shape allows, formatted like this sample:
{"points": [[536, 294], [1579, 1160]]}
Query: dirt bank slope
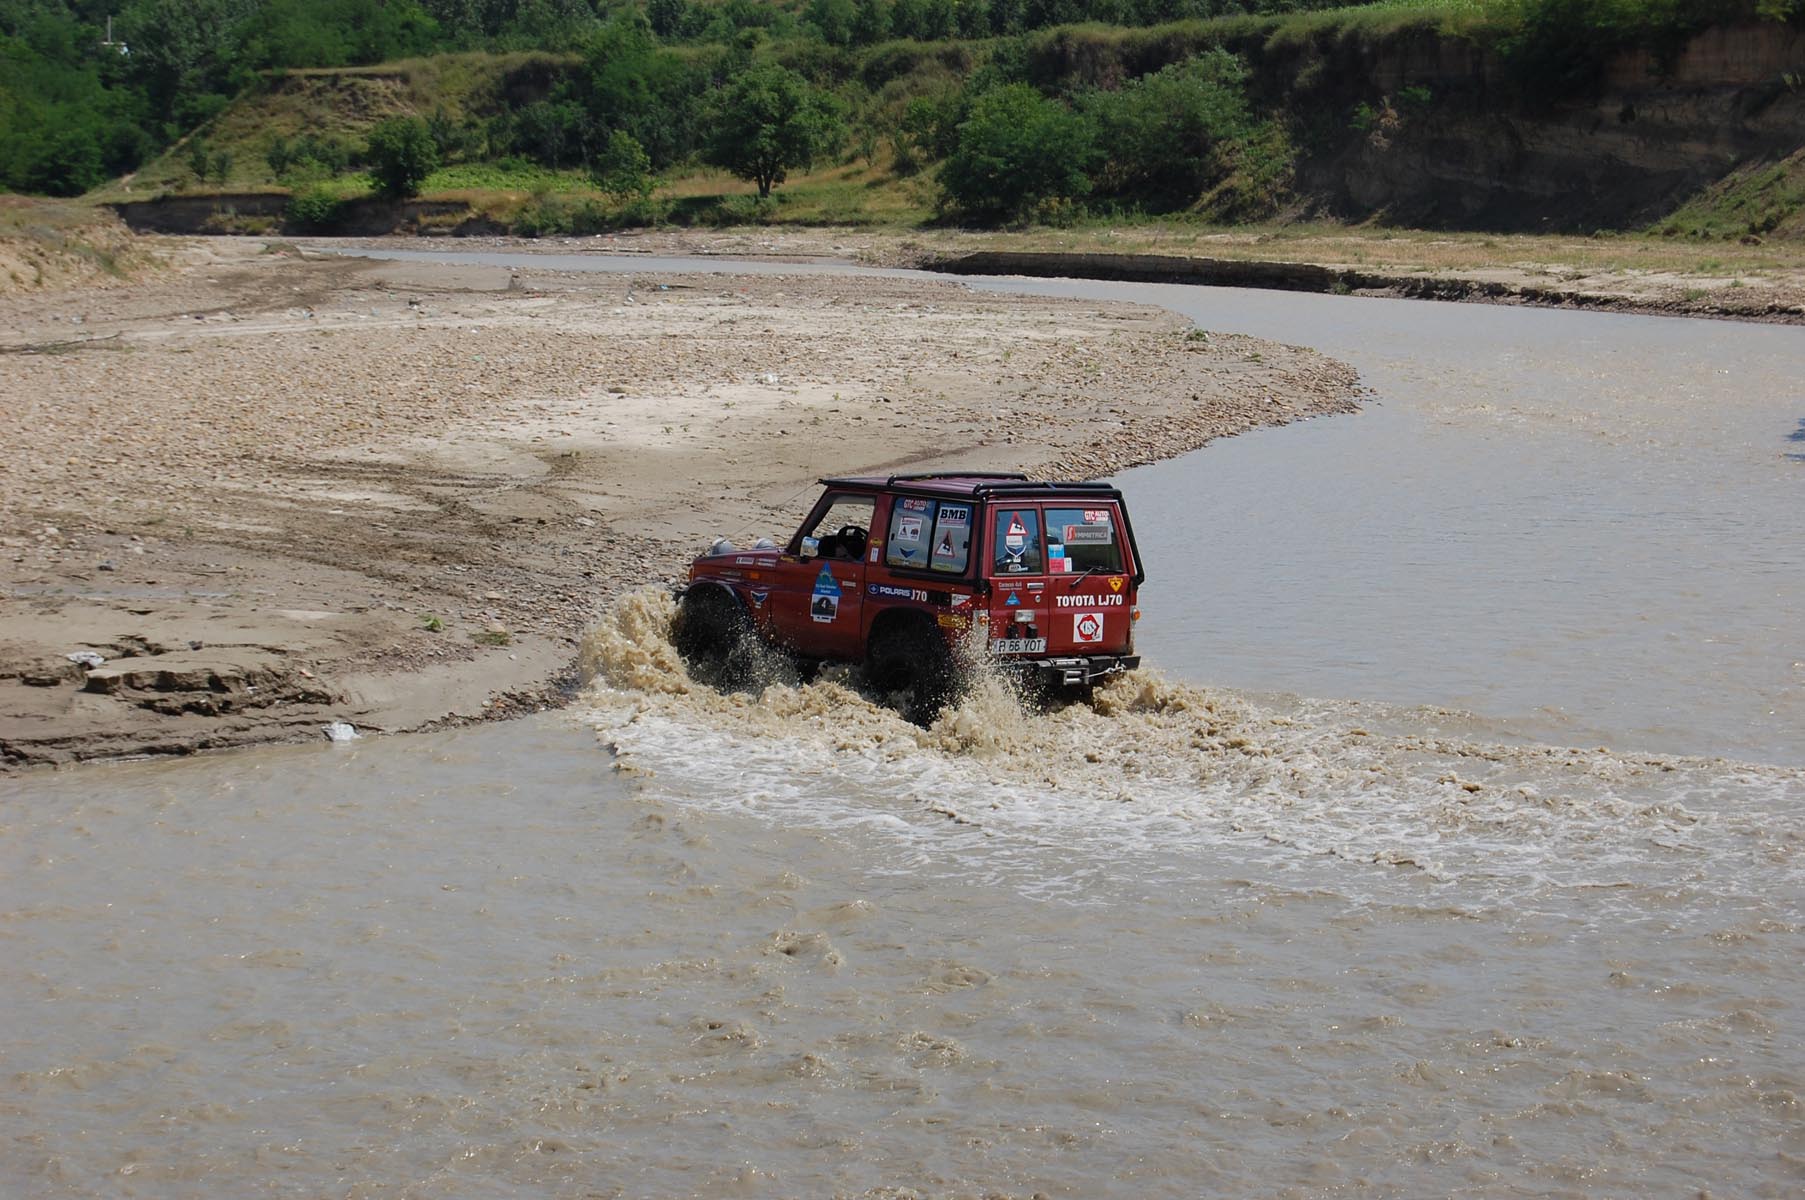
{"points": [[274, 491]]}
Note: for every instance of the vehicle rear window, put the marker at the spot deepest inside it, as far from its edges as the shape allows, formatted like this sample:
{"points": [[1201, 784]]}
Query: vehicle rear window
{"points": [[1017, 548], [1082, 539], [952, 538], [929, 535]]}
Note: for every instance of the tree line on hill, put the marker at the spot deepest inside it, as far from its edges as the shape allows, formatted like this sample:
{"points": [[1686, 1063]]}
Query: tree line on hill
{"points": [[77, 107], [758, 87]]}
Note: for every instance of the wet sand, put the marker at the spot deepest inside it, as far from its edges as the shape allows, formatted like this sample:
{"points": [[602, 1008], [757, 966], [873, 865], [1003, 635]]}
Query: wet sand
{"points": [[274, 489]]}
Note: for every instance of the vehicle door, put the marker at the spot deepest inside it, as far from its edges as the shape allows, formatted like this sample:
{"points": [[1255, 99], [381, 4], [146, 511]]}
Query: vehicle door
{"points": [[924, 559], [1016, 561], [817, 603], [1090, 583]]}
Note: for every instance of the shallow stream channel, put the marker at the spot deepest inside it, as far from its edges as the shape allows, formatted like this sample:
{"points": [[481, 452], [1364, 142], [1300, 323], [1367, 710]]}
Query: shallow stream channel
{"points": [[1515, 908]]}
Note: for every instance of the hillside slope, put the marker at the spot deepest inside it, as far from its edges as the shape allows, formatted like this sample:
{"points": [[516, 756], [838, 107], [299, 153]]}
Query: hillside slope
{"points": [[1414, 122]]}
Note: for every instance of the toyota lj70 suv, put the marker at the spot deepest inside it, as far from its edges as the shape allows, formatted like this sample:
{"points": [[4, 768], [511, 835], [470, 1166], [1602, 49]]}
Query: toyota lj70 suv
{"points": [[902, 572]]}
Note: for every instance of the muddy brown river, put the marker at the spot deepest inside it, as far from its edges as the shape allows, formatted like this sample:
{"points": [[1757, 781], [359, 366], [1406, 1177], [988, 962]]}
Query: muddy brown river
{"points": [[1427, 936]]}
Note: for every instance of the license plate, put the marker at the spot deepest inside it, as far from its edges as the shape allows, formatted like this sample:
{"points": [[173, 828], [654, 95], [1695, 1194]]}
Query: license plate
{"points": [[1019, 646]]}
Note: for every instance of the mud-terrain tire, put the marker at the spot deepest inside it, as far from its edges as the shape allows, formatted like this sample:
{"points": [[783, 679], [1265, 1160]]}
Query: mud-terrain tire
{"points": [[714, 637], [911, 661]]}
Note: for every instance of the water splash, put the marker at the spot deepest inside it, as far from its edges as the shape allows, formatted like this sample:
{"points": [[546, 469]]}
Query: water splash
{"points": [[1154, 766]]}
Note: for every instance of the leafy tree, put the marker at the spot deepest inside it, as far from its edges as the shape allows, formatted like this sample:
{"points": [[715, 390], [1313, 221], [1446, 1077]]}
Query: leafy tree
{"points": [[547, 24], [630, 82], [1016, 150], [554, 133], [1166, 136], [402, 155], [332, 33], [199, 156], [870, 22], [770, 120], [833, 18], [623, 170], [929, 129], [973, 18], [668, 18]]}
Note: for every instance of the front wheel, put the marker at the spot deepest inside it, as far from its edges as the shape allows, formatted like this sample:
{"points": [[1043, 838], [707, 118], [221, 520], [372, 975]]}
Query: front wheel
{"points": [[912, 664], [714, 638]]}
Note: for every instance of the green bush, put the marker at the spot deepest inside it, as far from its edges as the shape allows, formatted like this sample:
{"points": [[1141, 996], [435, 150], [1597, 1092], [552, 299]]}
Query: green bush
{"points": [[1017, 150], [1166, 137], [624, 170], [315, 209], [402, 154]]}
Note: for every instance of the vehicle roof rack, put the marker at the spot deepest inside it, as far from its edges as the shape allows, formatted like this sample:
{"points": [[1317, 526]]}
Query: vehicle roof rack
{"points": [[983, 483], [895, 479]]}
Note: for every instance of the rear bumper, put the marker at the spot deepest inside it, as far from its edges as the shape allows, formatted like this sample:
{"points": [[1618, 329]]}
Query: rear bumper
{"points": [[1079, 670]]}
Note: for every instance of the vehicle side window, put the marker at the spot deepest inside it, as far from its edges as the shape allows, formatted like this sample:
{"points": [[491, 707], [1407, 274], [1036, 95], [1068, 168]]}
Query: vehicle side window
{"points": [[952, 538], [842, 529], [1082, 539], [1017, 548], [911, 533]]}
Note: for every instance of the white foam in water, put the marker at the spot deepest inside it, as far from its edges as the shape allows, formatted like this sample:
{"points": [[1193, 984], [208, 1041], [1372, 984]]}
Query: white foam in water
{"points": [[1157, 769]]}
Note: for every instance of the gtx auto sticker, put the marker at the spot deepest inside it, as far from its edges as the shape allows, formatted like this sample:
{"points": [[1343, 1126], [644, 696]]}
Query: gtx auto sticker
{"points": [[1087, 627]]}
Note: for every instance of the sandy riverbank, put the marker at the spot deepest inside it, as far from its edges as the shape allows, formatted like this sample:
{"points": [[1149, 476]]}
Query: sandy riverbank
{"points": [[275, 489], [1662, 277]]}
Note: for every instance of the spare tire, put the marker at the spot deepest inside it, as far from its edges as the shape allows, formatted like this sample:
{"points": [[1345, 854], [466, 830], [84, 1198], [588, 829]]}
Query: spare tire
{"points": [[910, 661]]}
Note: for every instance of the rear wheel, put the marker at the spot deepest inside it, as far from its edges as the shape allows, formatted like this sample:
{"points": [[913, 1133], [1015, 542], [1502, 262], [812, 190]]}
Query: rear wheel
{"points": [[911, 662], [715, 640]]}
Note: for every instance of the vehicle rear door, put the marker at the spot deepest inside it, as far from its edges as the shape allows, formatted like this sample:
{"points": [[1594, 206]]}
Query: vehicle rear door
{"points": [[1090, 589], [1016, 561]]}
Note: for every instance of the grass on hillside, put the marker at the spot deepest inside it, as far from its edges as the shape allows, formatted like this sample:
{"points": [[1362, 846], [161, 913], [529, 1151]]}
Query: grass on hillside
{"points": [[1755, 200], [342, 103]]}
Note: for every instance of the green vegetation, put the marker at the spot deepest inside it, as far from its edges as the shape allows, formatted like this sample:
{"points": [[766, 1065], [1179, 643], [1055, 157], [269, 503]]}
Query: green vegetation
{"points": [[567, 115], [402, 154], [1017, 152], [768, 121], [1762, 200]]}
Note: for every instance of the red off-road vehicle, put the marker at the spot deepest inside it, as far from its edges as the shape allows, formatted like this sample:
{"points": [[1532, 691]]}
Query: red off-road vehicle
{"points": [[896, 571]]}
